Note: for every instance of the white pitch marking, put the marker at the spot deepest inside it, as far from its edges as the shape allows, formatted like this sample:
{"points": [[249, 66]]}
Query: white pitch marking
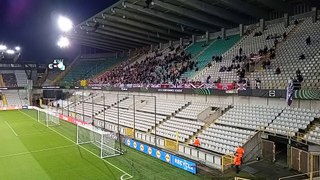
{"points": [[11, 128], [125, 173]]}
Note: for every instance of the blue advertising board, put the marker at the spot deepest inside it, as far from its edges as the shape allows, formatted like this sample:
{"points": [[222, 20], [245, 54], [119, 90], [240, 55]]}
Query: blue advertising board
{"points": [[163, 156]]}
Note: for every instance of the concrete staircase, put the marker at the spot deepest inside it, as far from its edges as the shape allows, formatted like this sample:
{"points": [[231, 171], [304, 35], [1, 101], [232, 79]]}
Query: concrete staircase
{"points": [[210, 120], [168, 117]]}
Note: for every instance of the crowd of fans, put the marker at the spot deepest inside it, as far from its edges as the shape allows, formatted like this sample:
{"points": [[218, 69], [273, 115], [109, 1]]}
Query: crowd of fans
{"points": [[153, 70], [160, 69]]}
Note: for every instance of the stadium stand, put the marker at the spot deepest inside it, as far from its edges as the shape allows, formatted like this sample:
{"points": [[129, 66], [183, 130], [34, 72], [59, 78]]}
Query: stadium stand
{"points": [[87, 68], [291, 120], [287, 58], [250, 44], [215, 48], [10, 80], [13, 98], [21, 77]]}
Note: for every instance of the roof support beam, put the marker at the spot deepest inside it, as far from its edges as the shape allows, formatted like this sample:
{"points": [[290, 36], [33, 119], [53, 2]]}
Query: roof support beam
{"points": [[169, 17], [129, 34], [108, 38], [149, 20], [123, 37], [215, 11], [245, 8], [132, 29], [212, 21], [99, 40], [97, 46], [103, 44]]}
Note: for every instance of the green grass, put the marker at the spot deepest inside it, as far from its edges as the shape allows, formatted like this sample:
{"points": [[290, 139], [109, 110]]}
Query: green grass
{"points": [[29, 150]]}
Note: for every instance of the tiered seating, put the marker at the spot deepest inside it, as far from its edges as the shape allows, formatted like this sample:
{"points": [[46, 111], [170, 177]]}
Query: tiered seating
{"points": [[23, 94], [143, 121], [249, 44], [236, 127], [291, 120], [196, 48], [192, 111], [13, 98], [249, 117], [22, 79], [184, 127], [224, 139], [217, 48], [314, 135], [85, 108], [10, 80], [287, 59], [164, 107], [86, 68]]}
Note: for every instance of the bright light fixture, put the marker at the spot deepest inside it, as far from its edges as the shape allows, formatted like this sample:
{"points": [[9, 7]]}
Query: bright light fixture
{"points": [[63, 42], [65, 24], [10, 51], [2, 47], [17, 48]]}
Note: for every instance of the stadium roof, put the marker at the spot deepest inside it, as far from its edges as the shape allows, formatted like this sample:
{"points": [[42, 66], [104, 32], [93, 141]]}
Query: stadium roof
{"points": [[129, 24]]}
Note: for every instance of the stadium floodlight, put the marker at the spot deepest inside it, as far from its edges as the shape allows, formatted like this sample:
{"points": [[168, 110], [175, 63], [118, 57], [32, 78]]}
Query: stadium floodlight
{"points": [[17, 48], [63, 42], [10, 51], [3, 47], [65, 24]]}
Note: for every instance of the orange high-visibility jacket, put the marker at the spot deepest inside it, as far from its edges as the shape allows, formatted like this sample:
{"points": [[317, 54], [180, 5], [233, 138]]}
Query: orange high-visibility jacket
{"points": [[240, 152], [237, 160], [196, 142]]}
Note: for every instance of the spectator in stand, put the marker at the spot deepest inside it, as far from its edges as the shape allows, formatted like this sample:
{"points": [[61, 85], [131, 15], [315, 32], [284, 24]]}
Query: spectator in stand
{"points": [[300, 78], [196, 142], [278, 71], [308, 40], [240, 51], [276, 43], [218, 80], [258, 83], [298, 72], [284, 35], [268, 64], [296, 22], [208, 79], [302, 57]]}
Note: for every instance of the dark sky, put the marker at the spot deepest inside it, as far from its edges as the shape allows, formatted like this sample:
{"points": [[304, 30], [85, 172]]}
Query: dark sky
{"points": [[31, 24]]}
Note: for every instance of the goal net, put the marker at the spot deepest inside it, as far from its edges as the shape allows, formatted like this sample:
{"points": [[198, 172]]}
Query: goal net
{"points": [[49, 118], [98, 141]]}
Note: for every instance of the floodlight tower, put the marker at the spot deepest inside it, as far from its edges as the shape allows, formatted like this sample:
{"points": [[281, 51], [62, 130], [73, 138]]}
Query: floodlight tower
{"points": [[65, 25]]}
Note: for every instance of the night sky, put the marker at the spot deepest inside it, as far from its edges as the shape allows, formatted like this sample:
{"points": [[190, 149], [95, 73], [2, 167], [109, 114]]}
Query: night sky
{"points": [[31, 24]]}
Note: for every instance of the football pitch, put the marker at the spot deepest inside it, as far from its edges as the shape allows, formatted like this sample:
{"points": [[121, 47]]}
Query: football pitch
{"points": [[30, 150]]}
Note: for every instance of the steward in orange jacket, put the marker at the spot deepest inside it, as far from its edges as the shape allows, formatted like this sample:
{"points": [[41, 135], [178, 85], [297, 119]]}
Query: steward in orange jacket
{"points": [[196, 142]]}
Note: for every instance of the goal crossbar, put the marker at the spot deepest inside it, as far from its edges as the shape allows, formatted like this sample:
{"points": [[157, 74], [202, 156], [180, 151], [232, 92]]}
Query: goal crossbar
{"points": [[104, 141]]}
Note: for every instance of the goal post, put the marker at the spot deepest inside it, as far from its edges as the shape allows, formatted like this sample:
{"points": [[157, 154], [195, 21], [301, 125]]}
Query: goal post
{"points": [[100, 142], [48, 118]]}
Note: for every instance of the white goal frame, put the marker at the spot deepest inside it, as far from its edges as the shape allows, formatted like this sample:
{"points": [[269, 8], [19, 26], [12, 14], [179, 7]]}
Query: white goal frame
{"points": [[51, 117], [101, 145]]}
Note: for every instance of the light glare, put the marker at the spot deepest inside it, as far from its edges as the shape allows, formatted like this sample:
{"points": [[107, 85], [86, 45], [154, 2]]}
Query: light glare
{"points": [[65, 24], [17, 48], [63, 42], [3, 47], [10, 51]]}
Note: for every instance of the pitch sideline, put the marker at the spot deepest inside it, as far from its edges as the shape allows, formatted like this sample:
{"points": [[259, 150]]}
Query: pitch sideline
{"points": [[122, 177]]}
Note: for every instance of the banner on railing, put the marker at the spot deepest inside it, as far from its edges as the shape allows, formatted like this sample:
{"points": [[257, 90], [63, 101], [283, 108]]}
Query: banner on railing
{"points": [[163, 156]]}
